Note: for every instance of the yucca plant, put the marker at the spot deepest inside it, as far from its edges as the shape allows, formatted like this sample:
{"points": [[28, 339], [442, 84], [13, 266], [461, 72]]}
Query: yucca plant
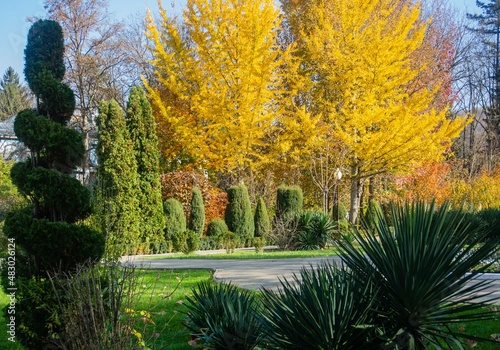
{"points": [[421, 266], [314, 230], [325, 308], [222, 316]]}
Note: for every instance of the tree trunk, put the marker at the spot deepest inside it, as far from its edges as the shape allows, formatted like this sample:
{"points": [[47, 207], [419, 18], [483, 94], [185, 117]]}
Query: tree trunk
{"points": [[356, 193], [326, 197]]}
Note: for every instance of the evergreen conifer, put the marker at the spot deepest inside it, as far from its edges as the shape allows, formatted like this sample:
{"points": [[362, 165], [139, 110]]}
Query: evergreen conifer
{"points": [[261, 220], [48, 233], [118, 192], [142, 130], [289, 200], [238, 216], [175, 219], [197, 215]]}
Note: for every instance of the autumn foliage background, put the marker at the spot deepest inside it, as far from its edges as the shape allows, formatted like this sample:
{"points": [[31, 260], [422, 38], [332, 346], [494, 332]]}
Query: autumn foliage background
{"points": [[269, 93], [288, 94]]}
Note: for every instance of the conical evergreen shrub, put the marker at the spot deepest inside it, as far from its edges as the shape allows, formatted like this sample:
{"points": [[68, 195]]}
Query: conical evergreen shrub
{"points": [[175, 220], [118, 181], [141, 127], [261, 220], [197, 214], [238, 216]]}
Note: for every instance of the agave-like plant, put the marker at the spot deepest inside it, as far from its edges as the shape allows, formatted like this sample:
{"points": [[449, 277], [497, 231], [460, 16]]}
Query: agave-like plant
{"points": [[324, 308], [422, 266], [314, 230], [222, 316]]}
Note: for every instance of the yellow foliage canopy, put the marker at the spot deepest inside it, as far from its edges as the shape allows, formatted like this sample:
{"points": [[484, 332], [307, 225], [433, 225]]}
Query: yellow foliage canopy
{"points": [[220, 83], [360, 54]]}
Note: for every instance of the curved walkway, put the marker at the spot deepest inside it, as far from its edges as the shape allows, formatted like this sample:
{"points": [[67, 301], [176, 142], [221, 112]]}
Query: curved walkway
{"points": [[258, 273]]}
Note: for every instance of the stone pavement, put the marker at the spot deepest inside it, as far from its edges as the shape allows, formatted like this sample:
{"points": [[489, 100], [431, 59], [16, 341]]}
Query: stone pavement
{"points": [[257, 273]]}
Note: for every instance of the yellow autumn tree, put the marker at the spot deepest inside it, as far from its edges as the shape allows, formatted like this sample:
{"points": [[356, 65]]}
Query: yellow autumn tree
{"points": [[219, 94], [358, 54]]}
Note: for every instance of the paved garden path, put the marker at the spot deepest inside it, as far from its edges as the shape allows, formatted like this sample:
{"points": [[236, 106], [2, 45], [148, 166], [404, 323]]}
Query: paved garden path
{"points": [[257, 273]]}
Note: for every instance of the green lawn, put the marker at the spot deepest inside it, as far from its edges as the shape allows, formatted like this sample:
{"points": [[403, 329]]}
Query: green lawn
{"points": [[481, 329], [248, 254]]}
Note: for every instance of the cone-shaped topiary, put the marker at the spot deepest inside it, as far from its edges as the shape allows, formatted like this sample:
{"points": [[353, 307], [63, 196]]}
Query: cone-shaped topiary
{"points": [[197, 215], [175, 220], [118, 181], [373, 211], [261, 220], [238, 216], [141, 127]]}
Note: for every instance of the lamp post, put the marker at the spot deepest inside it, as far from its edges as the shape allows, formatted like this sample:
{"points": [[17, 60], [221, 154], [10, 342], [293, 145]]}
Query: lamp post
{"points": [[338, 176]]}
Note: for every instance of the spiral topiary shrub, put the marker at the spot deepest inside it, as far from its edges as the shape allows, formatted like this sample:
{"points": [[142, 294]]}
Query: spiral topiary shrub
{"points": [[48, 232]]}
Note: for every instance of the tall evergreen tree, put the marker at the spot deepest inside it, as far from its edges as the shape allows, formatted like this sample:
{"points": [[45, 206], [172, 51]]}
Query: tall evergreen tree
{"points": [[14, 97], [117, 178], [48, 230], [238, 214], [141, 127], [197, 215]]}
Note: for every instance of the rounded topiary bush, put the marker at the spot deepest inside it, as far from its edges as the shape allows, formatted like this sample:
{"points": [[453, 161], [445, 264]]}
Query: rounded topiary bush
{"points": [[216, 228], [187, 242]]}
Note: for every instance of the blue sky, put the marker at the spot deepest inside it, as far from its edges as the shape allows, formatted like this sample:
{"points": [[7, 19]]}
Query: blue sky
{"points": [[14, 27]]}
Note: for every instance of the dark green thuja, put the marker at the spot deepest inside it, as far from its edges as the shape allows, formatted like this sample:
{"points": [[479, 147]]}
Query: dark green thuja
{"points": [[48, 233], [289, 200], [118, 181], [141, 127], [373, 211], [197, 214], [175, 219], [55, 150], [261, 220], [238, 215]]}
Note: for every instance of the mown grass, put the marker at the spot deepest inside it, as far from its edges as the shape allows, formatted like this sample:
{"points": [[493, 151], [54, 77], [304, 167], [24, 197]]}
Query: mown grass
{"points": [[247, 253], [164, 293], [484, 329]]}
